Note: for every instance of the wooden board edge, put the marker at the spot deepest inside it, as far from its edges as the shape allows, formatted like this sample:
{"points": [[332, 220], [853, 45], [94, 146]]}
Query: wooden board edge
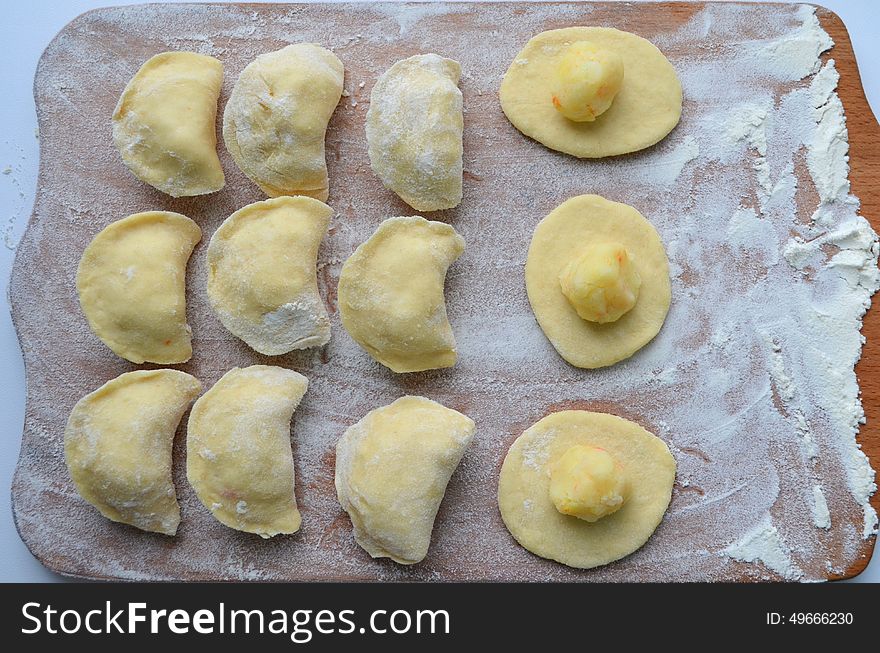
{"points": [[864, 153]]}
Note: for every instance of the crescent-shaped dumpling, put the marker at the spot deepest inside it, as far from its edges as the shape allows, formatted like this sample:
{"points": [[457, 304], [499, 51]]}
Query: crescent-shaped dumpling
{"points": [[262, 281], [414, 131], [392, 468], [391, 294], [131, 281], [118, 446], [164, 124], [276, 117], [238, 454]]}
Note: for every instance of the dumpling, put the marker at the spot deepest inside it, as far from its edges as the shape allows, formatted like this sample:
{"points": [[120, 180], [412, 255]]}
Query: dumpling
{"points": [[597, 278], [592, 92], [414, 131], [392, 468], [276, 117], [391, 294], [164, 124], [262, 281], [118, 444], [238, 455], [585, 489], [131, 281]]}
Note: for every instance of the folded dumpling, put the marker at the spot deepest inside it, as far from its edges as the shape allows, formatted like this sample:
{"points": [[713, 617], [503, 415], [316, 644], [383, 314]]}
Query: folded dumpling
{"points": [[262, 279], [392, 468], [164, 124], [238, 454], [131, 284], [118, 445], [414, 131], [276, 117], [391, 294]]}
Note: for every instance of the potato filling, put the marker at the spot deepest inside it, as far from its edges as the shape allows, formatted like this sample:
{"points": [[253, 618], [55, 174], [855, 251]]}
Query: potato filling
{"points": [[587, 483], [588, 78], [601, 284]]}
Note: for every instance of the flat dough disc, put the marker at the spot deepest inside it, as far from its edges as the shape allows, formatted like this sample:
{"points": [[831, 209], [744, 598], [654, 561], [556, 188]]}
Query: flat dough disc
{"points": [[560, 237], [524, 489], [645, 110]]}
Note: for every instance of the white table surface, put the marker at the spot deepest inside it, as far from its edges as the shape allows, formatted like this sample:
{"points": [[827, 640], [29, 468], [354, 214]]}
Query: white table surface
{"points": [[25, 29]]}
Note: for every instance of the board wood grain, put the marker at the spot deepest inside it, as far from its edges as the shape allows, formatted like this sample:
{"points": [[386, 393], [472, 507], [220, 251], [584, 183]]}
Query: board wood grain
{"points": [[82, 186]]}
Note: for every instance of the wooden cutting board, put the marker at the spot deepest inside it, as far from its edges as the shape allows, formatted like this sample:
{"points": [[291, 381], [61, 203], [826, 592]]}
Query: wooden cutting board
{"points": [[83, 186]]}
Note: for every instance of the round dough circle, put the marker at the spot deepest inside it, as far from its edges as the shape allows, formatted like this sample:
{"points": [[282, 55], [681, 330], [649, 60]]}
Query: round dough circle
{"points": [[531, 517], [558, 238], [645, 110]]}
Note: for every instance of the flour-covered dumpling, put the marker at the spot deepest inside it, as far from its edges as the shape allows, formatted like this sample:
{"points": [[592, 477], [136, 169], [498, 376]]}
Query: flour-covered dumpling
{"points": [[276, 117], [238, 454], [164, 124], [392, 468], [262, 281], [414, 131], [131, 281], [391, 294], [118, 444]]}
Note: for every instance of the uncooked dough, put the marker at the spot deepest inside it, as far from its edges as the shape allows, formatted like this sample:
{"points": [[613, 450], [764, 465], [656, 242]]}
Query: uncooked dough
{"points": [[118, 444], [262, 280], [534, 521], [391, 294], [646, 109], [277, 115], [562, 237], [392, 468], [238, 454], [164, 124], [414, 131], [131, 281]]}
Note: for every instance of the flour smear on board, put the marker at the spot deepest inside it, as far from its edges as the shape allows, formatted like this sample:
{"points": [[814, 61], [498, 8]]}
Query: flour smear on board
{"points": [[837, 249]]}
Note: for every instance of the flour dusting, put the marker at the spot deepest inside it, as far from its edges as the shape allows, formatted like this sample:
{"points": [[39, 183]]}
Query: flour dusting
{"points": [[763, 544], [746, 123], [827, 152], [796, 55], [821, 514], [750, 382]]}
